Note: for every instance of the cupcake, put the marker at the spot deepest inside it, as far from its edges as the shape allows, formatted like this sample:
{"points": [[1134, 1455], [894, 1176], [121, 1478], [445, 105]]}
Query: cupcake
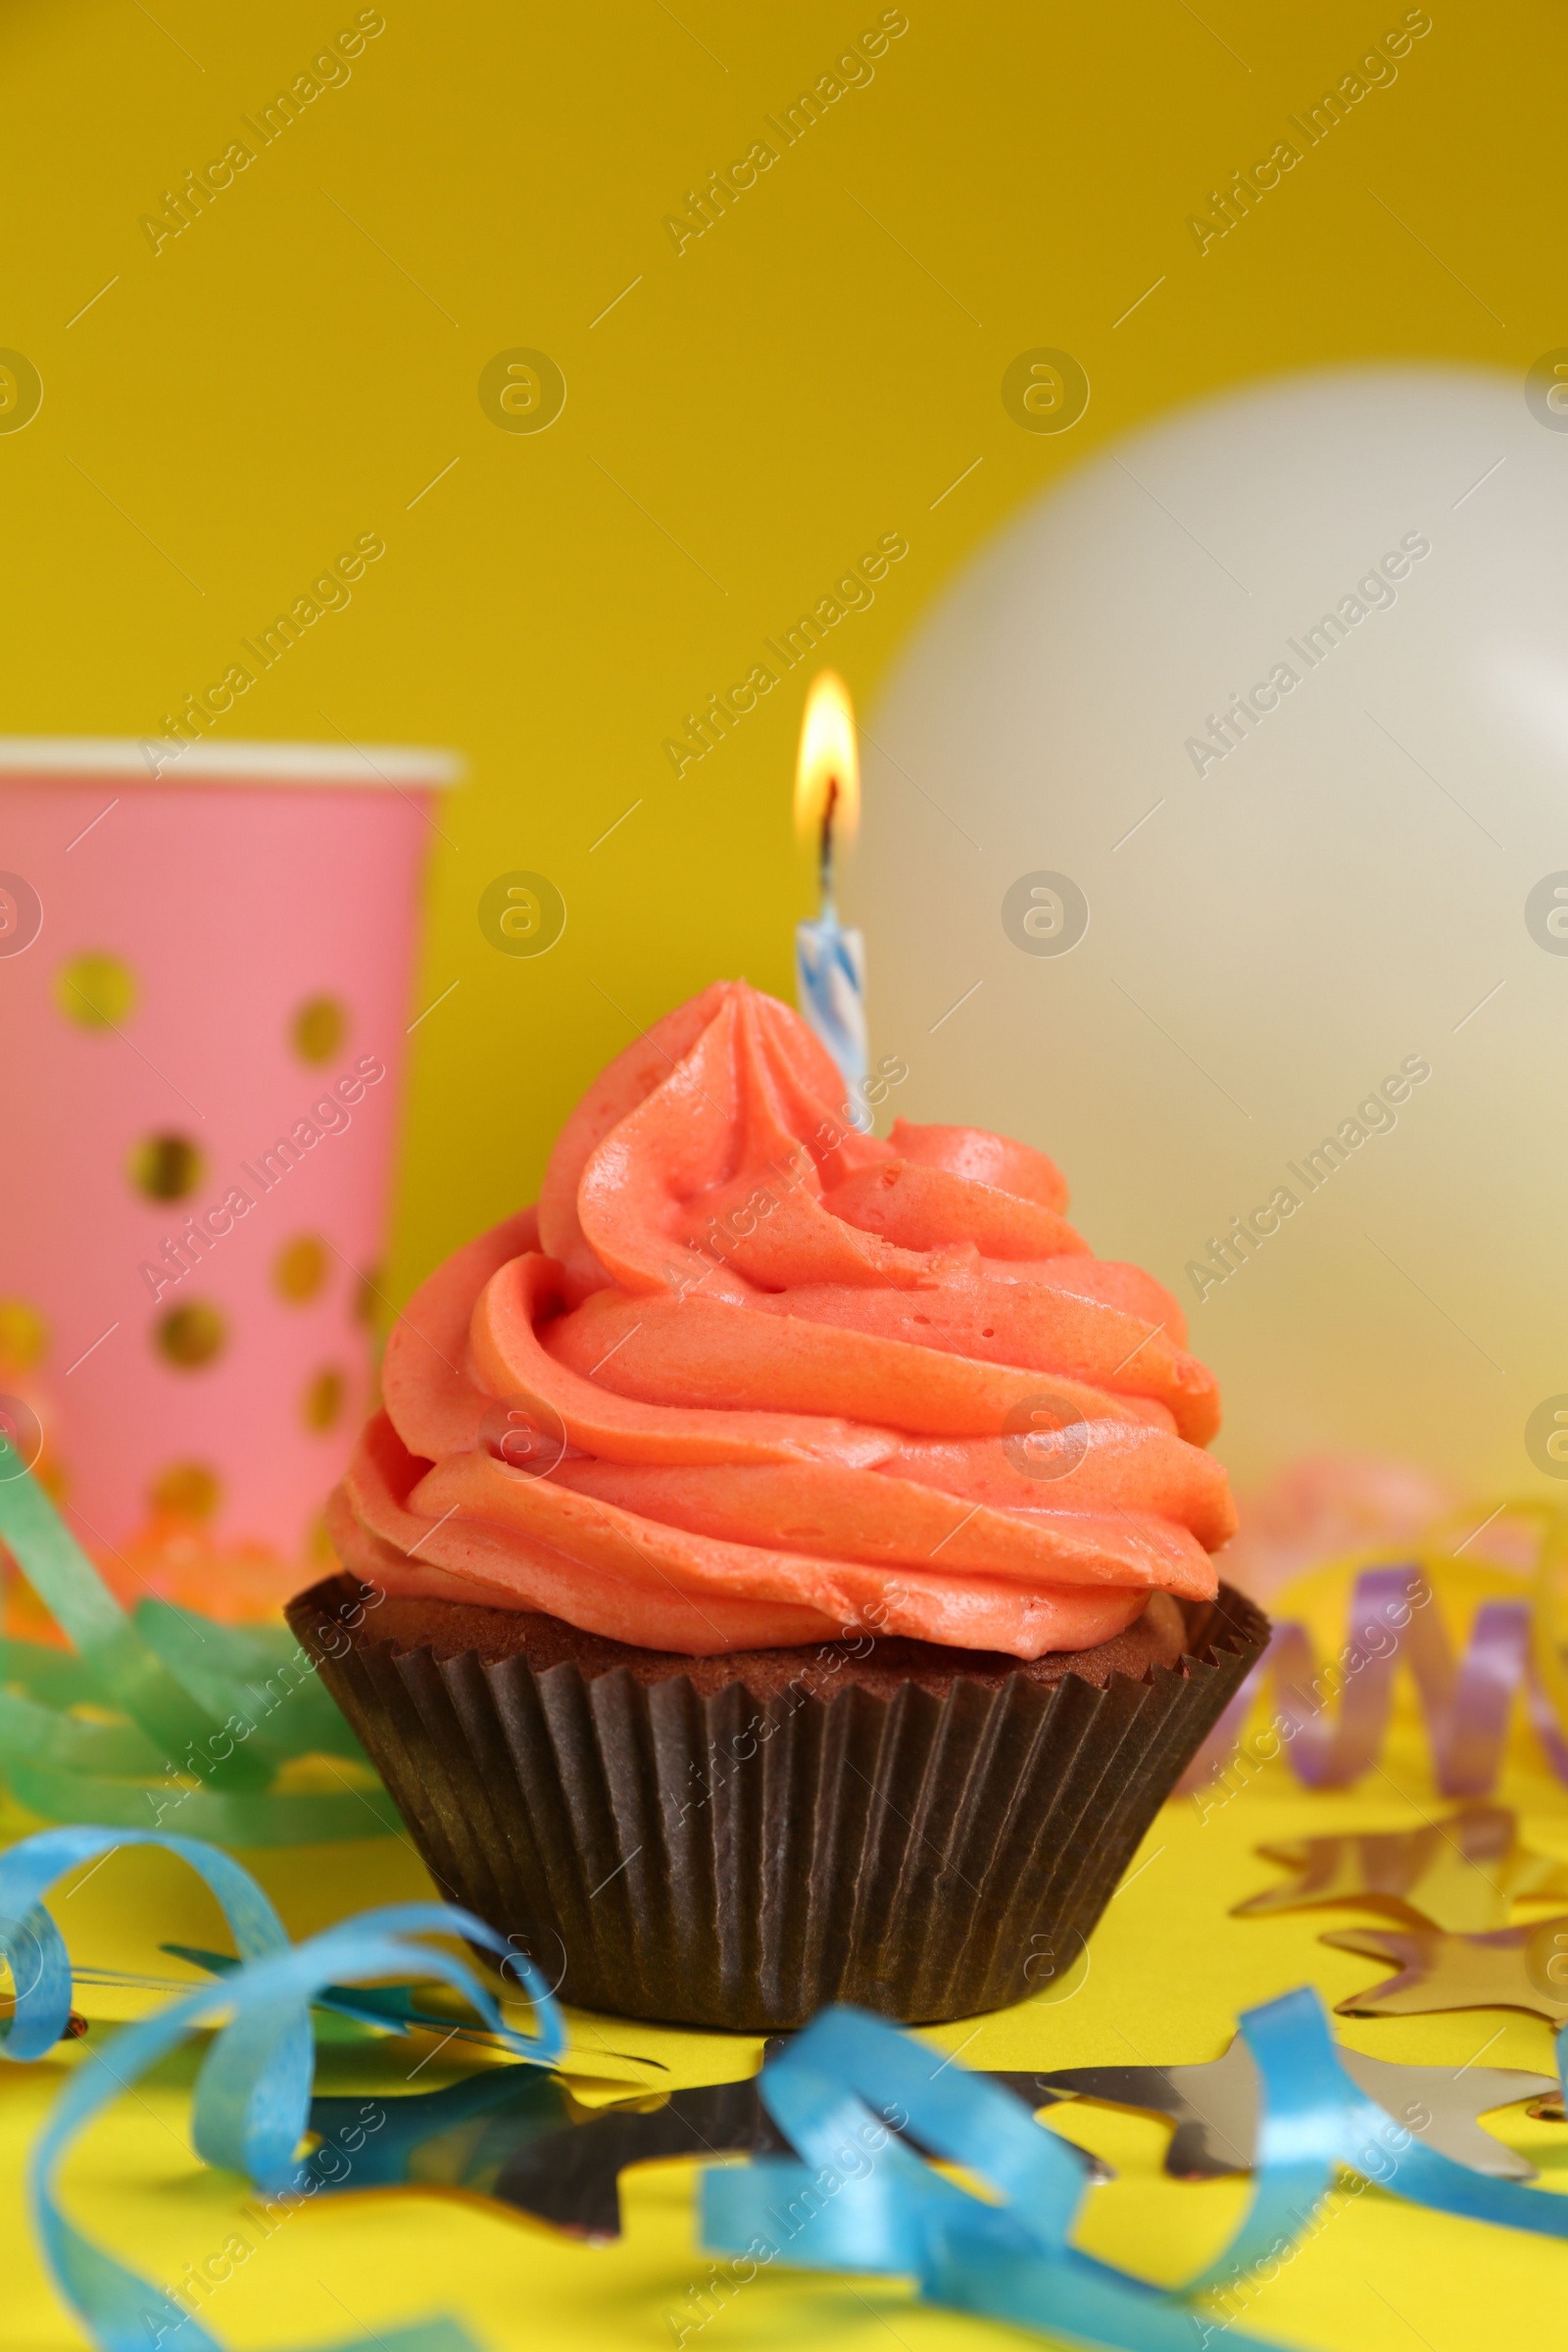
{"points": [[781, 1572]]}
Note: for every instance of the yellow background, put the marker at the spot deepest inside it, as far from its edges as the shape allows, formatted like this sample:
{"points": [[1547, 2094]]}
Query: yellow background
{"points": [[814, 371], [303, 361]]}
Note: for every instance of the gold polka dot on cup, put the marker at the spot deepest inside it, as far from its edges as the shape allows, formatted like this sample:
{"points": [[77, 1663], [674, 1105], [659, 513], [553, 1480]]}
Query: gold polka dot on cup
{"points": [[190, 1488], [300, 1268], [318, 1028], [326, 1394], [165, 1167], [367, 1295], [96, 992], [23, 1334], [190, 1336]]}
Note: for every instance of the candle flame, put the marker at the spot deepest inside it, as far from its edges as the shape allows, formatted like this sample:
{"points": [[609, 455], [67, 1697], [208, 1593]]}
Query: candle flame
{"points": [[827, 773]]}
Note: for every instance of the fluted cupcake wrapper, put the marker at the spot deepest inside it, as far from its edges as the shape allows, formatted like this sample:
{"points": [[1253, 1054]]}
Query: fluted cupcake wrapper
{"points": [[737, 1859]]}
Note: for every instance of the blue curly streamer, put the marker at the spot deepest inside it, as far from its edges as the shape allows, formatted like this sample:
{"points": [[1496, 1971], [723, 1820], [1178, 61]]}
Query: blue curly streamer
{"points": [[1315, 2119], [252, 2102], [859, 2200]]}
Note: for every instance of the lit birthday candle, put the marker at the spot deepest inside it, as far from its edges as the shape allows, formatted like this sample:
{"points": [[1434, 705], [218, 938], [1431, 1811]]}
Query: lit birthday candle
{"points": [[829, 959]]}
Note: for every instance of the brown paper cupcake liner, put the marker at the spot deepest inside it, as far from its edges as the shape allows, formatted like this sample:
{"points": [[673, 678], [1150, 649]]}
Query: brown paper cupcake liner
{"points": [[672, 1842]]}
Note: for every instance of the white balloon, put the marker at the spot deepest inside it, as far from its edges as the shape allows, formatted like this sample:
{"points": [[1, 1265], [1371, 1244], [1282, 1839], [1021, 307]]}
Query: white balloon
{"points": [[1272, 934]]}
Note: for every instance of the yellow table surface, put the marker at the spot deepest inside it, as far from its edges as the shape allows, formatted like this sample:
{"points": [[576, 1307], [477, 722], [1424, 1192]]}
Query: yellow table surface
{"points": [[1169, 1970]]}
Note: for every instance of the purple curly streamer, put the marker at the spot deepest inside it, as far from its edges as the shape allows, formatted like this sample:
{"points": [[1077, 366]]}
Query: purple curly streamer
{"points": [[1466, 1701]]}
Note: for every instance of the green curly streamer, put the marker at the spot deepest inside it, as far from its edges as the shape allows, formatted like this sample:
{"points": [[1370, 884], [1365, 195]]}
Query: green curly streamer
{"points": [[205, 1717]]}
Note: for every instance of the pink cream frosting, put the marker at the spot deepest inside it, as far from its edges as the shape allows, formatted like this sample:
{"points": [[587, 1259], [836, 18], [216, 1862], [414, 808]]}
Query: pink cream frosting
{"points": [[749, 1378]]}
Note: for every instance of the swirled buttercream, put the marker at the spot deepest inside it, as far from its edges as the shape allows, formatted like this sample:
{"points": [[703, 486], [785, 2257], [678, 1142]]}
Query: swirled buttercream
{"points": [[749, 1376]]}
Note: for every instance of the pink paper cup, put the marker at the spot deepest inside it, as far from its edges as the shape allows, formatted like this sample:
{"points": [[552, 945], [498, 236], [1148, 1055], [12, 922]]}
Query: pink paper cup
{"points": [[205, 975]]}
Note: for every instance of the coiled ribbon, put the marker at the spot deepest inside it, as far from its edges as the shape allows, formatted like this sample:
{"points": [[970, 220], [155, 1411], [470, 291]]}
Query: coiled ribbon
{"points": [[856, 2196], [253, 2094], [204, 1716], [1514, 1652], [860, 2199]]}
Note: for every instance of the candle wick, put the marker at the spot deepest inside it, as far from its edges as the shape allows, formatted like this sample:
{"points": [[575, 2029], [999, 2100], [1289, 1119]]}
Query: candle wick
{"points": [[825, 857]]}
